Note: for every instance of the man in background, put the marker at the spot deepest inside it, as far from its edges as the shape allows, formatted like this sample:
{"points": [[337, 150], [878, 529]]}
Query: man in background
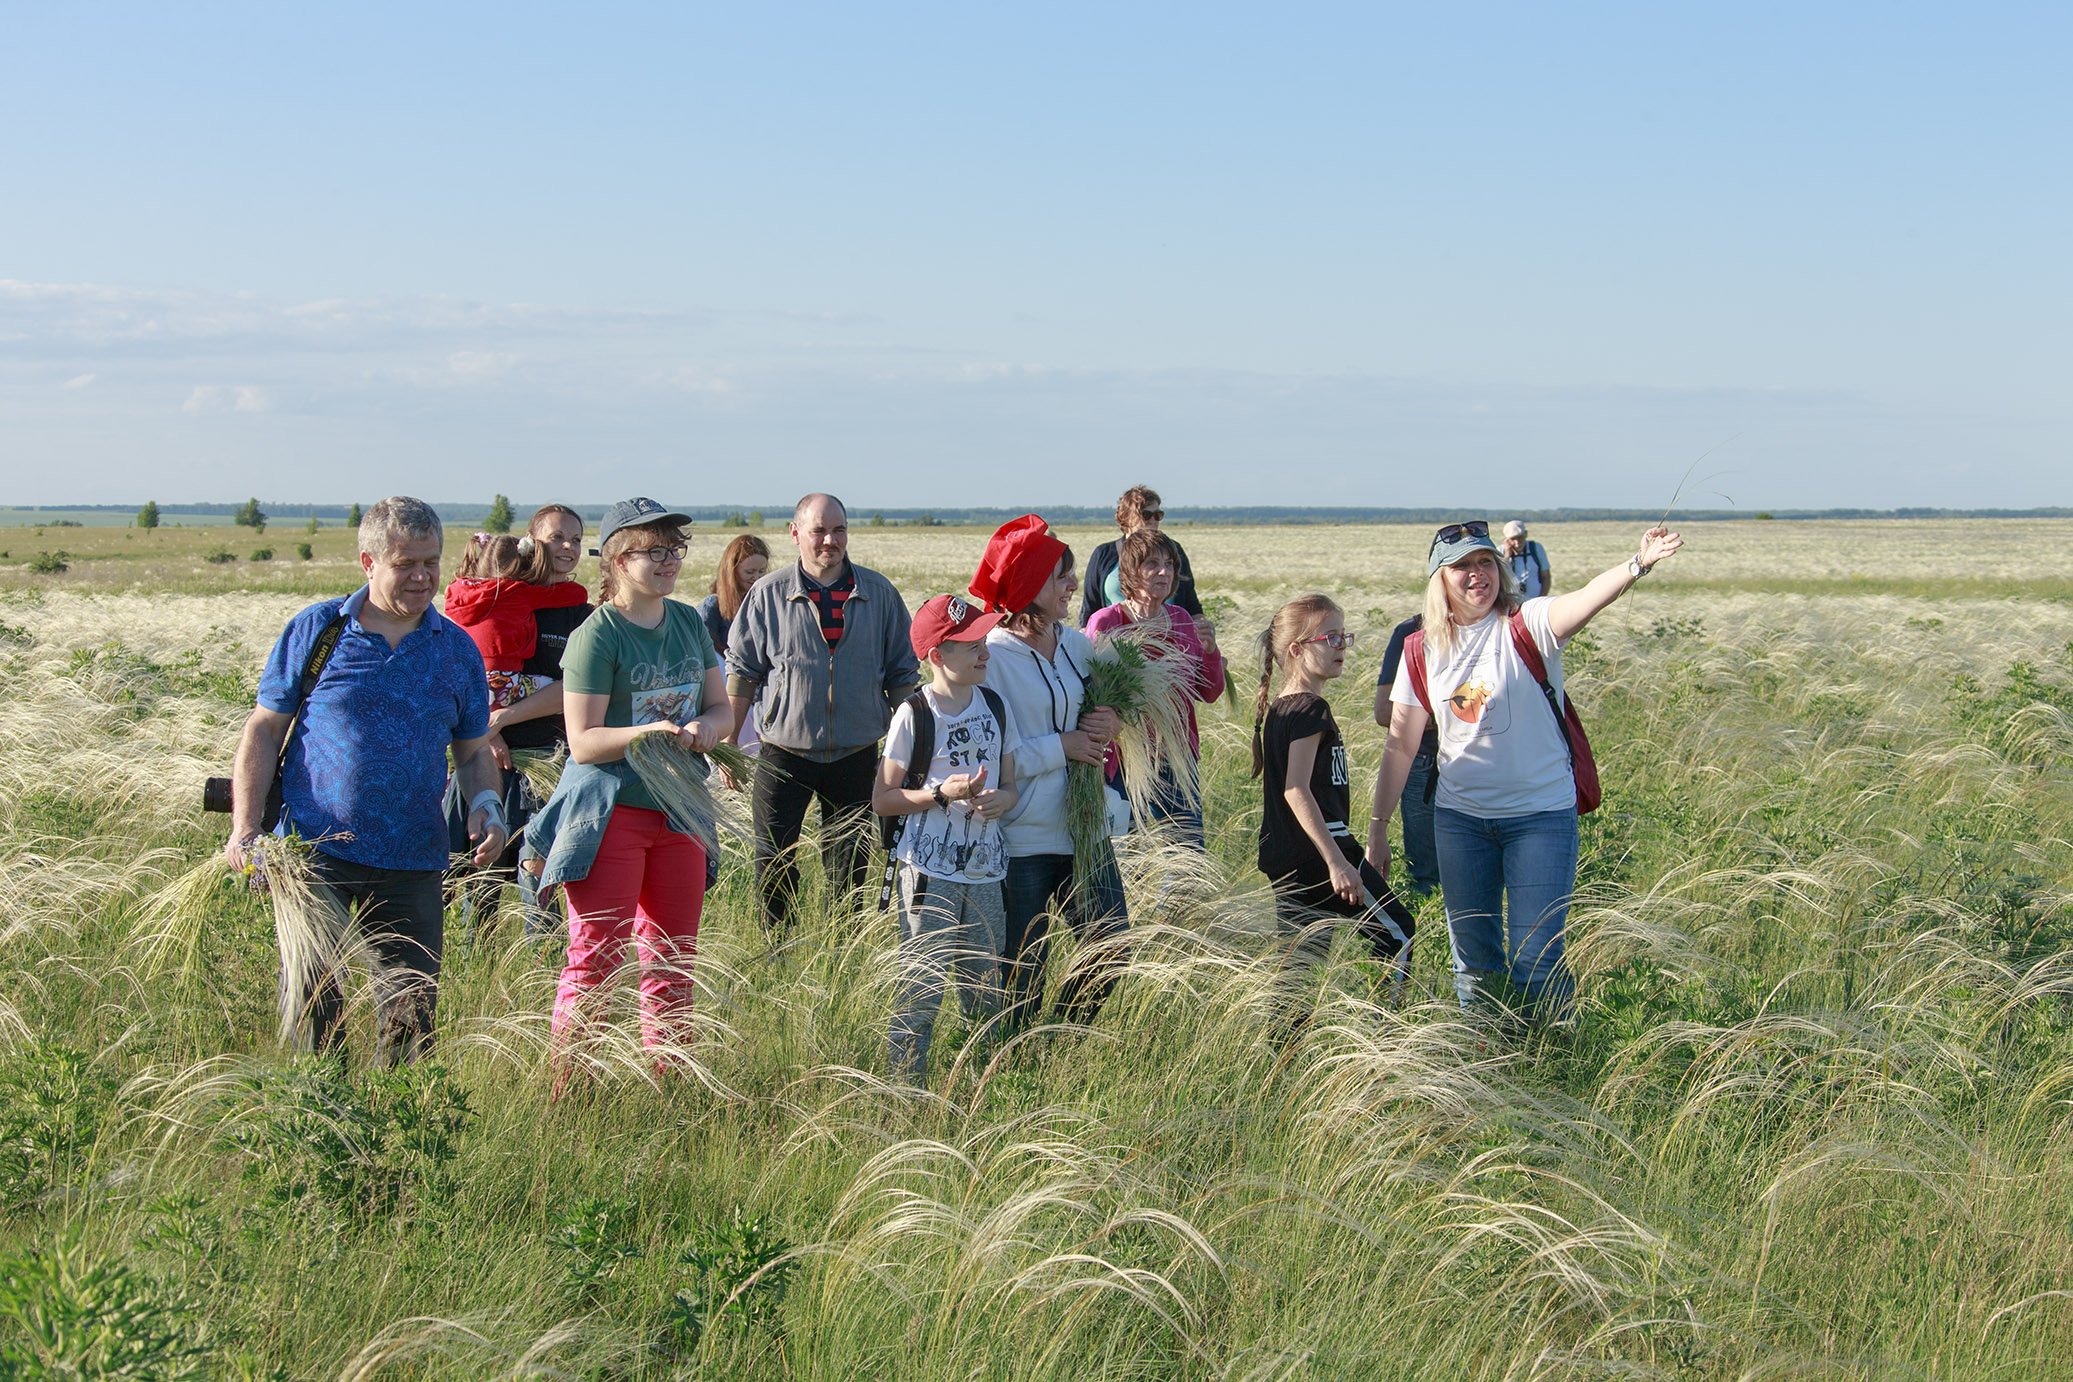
{"points": [[1529, 561]]}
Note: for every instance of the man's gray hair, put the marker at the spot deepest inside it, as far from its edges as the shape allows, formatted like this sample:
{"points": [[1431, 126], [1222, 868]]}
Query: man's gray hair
{"points": [[398, 516]]}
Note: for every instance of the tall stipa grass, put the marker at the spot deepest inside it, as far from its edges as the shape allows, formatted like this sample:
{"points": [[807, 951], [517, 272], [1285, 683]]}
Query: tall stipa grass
{"points": [[1142, 674], [681, 780]]}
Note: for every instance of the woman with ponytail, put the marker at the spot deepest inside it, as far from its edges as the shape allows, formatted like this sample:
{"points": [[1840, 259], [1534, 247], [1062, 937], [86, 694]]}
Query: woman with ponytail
{"points": [[1040, 665], [1306, 849]]}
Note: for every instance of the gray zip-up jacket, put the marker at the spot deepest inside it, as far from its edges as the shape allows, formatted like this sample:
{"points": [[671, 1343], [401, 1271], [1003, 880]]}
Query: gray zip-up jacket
{"points": [[810, 699]]}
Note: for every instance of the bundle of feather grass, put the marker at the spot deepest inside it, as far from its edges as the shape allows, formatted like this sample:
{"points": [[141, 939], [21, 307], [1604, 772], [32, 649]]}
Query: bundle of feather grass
{"points": [[317, 939], [542, 768], [1147, 678], [680, 778]]}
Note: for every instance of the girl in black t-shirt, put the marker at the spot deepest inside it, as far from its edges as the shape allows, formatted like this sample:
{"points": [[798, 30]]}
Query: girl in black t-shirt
{"points": [[1306, 849]]}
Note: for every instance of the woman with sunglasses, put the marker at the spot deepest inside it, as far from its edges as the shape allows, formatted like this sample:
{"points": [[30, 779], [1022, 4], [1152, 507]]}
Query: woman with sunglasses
{"points": [[642, 664], [1306, 849], [1138, 510], [1505, 810]]}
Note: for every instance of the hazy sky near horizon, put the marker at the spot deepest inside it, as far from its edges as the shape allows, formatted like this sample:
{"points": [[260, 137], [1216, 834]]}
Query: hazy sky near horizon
{"points": [[1494, 255]]}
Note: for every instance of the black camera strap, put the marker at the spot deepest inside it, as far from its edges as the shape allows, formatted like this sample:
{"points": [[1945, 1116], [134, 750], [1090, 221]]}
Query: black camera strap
{"points": [[312, 670]]}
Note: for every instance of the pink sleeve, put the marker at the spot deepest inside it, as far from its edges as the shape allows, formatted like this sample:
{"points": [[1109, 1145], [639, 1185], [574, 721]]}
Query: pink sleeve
{"points": [[1209, 680], [1106, 618]]}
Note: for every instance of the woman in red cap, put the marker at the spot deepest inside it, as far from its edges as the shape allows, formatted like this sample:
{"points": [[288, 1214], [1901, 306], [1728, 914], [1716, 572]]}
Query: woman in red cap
{"points": [[1040, 666]]}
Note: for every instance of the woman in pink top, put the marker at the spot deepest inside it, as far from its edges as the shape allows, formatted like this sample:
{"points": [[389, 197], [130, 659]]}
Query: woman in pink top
{"points": [[1147, 566]]}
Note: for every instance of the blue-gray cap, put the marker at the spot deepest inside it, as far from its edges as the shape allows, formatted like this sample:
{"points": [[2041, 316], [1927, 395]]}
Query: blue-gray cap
{"points": [[637, 513], [1455, 541]]}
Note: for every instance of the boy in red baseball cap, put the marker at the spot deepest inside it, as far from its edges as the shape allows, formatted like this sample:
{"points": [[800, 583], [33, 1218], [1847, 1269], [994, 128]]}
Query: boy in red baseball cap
{"points": [[943, 786]]}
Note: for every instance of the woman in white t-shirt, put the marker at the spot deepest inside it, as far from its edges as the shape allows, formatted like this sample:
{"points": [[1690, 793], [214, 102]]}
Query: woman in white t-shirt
{"points": [[1505, 812]]}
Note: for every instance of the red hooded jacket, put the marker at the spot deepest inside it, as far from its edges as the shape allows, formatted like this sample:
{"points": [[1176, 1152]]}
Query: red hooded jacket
{"points": [[498, 615]]}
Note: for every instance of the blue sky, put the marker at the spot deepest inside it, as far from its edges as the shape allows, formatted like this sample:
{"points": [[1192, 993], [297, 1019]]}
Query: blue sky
{"points": [[1483, 255]]}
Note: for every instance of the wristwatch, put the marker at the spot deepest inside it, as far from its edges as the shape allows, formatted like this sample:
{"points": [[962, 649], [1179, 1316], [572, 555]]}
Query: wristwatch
{"points": [[936, 791], [1635, 568]]}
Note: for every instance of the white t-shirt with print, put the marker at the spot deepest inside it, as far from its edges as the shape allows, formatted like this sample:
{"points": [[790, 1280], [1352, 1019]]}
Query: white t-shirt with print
{"points": [[953, 842], [1501, 752]]}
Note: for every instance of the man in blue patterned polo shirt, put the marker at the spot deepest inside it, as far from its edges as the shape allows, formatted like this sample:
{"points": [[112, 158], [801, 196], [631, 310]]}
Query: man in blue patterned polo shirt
{"points": [[365, 775]]}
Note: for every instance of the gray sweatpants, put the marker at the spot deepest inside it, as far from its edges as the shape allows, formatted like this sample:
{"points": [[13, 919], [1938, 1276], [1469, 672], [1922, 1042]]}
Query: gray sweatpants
{"points": [[943, 925]]}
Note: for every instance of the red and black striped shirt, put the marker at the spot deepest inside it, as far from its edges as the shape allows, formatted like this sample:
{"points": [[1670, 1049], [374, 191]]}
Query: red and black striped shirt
{"points": [[828, 600]]}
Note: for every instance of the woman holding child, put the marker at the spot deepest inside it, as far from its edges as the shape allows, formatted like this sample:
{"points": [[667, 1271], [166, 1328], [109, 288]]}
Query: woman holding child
{"points": [[1487, 665], [946, 781], [1040, 665], [642, 664]]}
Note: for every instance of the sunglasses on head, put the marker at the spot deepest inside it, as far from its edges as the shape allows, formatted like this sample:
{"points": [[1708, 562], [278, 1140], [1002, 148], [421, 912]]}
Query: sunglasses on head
{"points": [[1454, 532]]}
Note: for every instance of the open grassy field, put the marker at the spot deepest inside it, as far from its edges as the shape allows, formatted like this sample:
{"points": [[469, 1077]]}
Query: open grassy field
{"points": [[1816, 1119]]}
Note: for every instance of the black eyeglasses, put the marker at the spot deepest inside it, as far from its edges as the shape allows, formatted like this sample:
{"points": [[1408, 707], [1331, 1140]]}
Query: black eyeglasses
{"points": [[1454, 532], [659, 555]]}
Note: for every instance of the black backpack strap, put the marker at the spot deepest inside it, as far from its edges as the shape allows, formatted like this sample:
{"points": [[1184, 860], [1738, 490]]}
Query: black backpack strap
{"points": [[312, 672], [890, 828]]}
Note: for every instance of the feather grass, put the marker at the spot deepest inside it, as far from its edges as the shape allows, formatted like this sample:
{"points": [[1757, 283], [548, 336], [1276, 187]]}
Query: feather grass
{"points": [[680, 778], [1145, 676]]}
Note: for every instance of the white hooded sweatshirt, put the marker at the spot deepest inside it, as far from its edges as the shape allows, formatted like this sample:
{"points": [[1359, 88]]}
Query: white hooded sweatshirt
{"points": [[1043, 696]]}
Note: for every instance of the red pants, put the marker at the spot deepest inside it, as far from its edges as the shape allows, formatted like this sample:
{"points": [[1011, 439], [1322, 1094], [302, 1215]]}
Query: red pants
{"points": [[647, 884]]}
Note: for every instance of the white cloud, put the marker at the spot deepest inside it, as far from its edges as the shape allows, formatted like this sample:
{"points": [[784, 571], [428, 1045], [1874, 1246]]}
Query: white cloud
{"points": [[226, 398], [475, 365], [80, 381]]}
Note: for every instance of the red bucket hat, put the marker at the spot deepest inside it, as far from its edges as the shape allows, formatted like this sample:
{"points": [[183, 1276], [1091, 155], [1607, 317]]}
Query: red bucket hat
{"points": [[1020, 557]]}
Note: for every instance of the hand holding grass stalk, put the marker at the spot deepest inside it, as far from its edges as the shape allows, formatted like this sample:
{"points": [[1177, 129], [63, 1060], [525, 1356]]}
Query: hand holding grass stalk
{"points": [[679, 778], [1144, 677]]}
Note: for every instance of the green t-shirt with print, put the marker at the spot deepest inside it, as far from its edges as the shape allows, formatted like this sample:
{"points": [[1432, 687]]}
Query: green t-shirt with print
{"points": [[650, 674]]}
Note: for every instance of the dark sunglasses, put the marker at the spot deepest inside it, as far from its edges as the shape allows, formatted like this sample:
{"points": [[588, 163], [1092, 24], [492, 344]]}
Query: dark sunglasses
{"points": [[1454, 532]]}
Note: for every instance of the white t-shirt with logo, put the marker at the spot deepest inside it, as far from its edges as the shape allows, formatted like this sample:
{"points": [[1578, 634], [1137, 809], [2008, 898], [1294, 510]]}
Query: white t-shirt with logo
{"points": [[1501, 751], [953, 842]]}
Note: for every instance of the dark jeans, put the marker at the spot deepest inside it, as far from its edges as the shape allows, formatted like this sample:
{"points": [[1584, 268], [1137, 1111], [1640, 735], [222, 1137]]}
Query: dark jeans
{"points": [[1421, 851], [1099, 915], [399, 915], [1172, 809], [482, 885], [785, 784]]}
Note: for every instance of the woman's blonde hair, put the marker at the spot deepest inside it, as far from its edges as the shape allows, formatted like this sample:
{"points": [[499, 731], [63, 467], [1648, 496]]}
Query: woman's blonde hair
{"points": [[727, 580], [1439, 623], [1293, 622], [500, 556], [624, 541]]}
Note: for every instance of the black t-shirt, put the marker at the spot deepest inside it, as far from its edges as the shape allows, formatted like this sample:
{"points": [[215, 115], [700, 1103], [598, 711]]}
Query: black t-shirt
{"points": [[1431, 742], [1284, 848], [555, 627]]}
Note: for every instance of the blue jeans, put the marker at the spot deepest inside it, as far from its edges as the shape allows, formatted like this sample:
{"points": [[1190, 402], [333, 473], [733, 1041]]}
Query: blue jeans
{"points": [[1421, 854], [1034, 881], [1529, 863]]}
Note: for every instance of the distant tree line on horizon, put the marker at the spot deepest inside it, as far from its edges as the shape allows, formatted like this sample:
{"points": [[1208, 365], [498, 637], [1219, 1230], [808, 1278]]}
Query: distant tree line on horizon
{"points": [[501, 513]]}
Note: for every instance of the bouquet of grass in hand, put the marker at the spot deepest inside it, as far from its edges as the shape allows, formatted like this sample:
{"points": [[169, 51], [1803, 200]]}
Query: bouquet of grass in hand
{"points": [[1143, 675], [679, 779]]}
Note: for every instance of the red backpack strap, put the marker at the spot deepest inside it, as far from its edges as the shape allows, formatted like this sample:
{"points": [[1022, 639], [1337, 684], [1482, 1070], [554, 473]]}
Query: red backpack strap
{"points": [[1414, 668]]}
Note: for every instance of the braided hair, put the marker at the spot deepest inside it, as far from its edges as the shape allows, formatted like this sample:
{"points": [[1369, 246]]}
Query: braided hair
{"points": [[1293, 622]]}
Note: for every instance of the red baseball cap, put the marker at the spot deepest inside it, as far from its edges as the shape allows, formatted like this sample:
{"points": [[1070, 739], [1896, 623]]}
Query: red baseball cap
{"points": [[1020, 558], [948, 619]]}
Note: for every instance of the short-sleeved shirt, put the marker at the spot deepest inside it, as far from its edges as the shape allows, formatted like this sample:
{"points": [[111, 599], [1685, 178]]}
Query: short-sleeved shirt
{"points": [[649, 674], [544, 668], [953, 842], [365, 778], [1501, 751], [1284, 848], [1393, 656]]}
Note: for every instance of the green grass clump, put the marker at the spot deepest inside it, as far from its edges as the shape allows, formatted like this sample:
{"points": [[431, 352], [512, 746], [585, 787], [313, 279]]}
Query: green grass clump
{"points": [[1814, 1118]]}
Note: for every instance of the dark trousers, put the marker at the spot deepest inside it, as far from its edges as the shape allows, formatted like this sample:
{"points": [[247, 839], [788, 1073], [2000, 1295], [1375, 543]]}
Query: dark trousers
{"points": [[400, 918], [1304, 899], [1421, 852], [1096, 916], [785, 784]]}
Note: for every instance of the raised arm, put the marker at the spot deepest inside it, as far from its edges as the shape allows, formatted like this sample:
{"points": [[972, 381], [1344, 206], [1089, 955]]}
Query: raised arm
{"points": [[1567, 614]]}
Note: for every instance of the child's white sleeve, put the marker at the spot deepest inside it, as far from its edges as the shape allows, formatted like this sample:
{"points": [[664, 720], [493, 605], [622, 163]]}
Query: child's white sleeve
{"points": [[899, 737]]}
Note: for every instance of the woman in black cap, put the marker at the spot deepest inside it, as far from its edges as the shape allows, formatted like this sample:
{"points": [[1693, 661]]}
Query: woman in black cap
{"points": [[642, 664], [1513, 767]]}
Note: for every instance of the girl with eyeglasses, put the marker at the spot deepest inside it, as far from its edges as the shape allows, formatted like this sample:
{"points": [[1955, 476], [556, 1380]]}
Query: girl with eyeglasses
{"points": [[642, 664], [1306, 849], [1506, 805]]}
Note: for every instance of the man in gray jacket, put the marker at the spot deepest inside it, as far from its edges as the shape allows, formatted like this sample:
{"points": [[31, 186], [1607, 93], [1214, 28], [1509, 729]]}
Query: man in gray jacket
{"points": [[820, 648]]}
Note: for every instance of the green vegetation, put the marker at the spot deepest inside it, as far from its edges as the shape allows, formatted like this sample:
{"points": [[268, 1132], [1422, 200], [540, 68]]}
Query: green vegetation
{"points": [[49, 563], [147, 517], [250, 516], [1816, 1118], [499, 517]]}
